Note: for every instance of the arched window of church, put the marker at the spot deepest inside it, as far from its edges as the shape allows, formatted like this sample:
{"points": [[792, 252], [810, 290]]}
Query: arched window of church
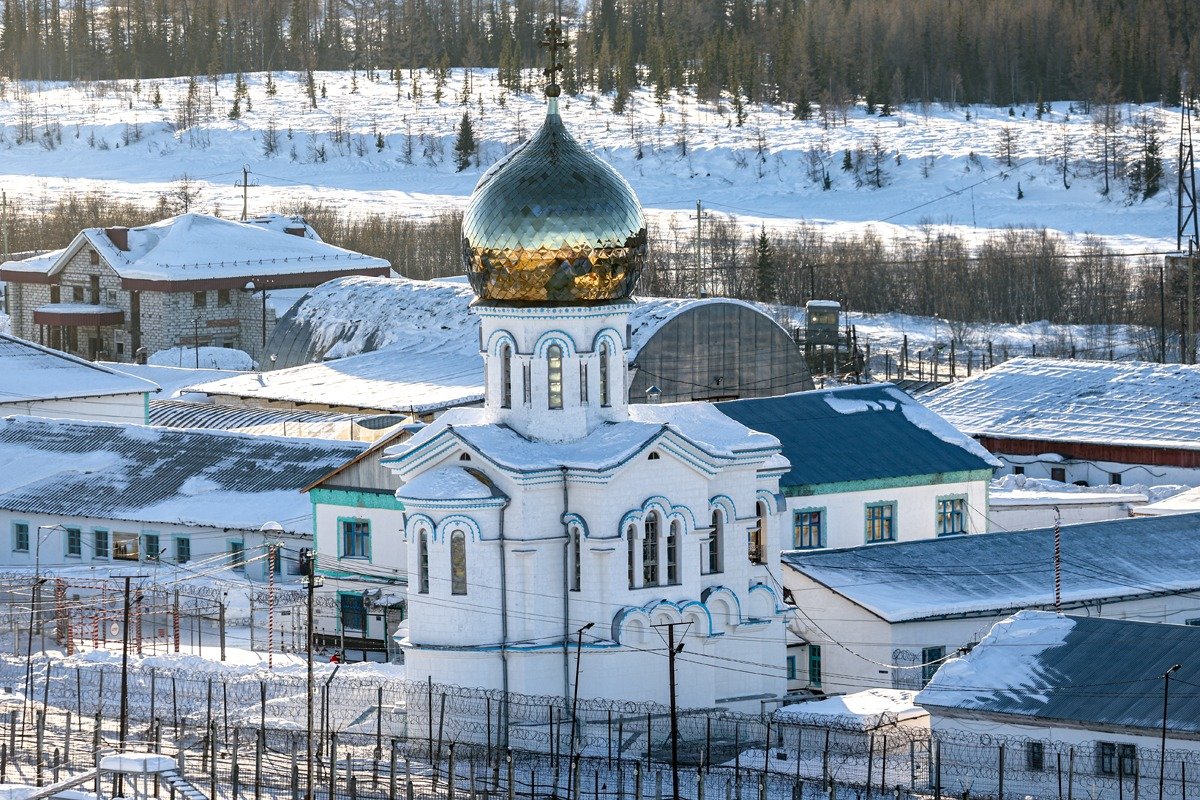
{"points": [[650, 546], [576, 558], [554, 375], [673, 553], [712, 552], [583, 383], [631, 539], [604, 374], [458, 563], [506, 376], [423, 563], [758, 536]]}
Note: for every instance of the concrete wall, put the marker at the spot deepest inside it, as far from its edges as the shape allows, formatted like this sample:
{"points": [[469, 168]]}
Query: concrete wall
{"points": [[131, 407], [1099, 473]]}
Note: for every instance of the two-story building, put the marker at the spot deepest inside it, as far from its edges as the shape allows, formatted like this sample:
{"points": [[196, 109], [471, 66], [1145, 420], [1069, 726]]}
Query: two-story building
{"points": [[192, 280]]}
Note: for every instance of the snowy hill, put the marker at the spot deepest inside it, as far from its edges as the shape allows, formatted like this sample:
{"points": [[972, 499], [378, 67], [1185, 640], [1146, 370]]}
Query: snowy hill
{"points": [[935, 165]]}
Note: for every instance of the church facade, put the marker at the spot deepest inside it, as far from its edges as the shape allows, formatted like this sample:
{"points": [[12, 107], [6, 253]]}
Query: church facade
{"points": [[557, 529]]}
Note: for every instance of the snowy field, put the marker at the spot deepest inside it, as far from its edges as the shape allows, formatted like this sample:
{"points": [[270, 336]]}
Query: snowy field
{"points": [[941, 169]]}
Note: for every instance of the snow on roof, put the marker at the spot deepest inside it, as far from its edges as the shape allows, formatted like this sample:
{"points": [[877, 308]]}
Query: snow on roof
{"points": [[445, 483], [988, 574], [394, 379], [861, 710], [1185, 502], [160, 475], [650, 314], [1041, 664], [1113, 403], [606, 447], [31, 372], [856, 433], [199, 246], [138, 763], [1023, 490], [171, 379], [247, 419]]}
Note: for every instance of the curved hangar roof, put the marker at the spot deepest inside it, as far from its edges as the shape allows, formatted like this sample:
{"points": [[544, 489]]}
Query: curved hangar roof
{"points": [[709, 349]]}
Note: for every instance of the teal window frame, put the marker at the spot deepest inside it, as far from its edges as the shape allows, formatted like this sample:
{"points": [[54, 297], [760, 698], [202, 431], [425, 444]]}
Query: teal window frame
{"points": [[151, 545], [237, 554], [796, 528], [814, 665], [929, 655], [20, 537], [73, 543], [951, 515], [352, 538], [99, 550], [791, 668], [361, 611], [889, 518], [183, 549]]}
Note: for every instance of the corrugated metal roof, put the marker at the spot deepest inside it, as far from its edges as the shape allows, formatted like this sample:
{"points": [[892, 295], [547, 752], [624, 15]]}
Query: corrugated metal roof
{"points": [[30, 372], [989, 574], [857, 433], [1080, 669], [182, 414], [161, 475]]}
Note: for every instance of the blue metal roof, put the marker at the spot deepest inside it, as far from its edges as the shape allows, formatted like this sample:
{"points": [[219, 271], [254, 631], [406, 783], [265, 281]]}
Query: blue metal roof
{"points": [[990, 574], [1087, 670], [858, 433]]}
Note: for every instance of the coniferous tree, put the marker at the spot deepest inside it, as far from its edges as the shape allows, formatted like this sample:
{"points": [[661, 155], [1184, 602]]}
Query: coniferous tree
{"points": [[464, 143], [764, 269]]}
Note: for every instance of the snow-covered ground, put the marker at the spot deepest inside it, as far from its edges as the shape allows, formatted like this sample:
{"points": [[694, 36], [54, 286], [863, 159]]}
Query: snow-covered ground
{"points": [[941, 166]]}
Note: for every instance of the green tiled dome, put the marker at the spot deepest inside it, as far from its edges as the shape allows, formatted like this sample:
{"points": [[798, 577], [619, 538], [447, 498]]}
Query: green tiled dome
{"points": [[553, 223]]}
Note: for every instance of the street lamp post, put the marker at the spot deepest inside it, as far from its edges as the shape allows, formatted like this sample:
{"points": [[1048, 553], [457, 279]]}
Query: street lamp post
{"points": [[35, 602], [1162, 750], [575, 697]]}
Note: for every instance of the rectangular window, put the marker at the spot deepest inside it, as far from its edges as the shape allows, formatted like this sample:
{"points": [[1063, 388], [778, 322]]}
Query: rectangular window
{"points": [[94, 289], [237, 555], [650, 552], [1035, 756], [931, 659], [199, 299], [99, 544], [74, 543], [354, 613], [583, 387], [791, 668], [1106, 758], [1127, 753], [93, 257], [125, 546], [814, 665], [881, 522], [1018, 470], [183, 549], [77, 294], [527, 377], [423, 563], [150, 546], [1058, 474], [807, 529], [951, 516], [1114, 478], [223, 297], [20, 537], [356, 538]]}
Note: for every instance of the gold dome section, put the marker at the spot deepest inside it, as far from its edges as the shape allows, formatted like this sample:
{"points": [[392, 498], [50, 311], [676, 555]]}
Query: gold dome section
{"points": [[553, 224]]}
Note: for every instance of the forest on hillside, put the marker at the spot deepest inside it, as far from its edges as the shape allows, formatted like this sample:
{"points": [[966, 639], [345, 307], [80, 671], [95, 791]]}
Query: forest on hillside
{"points": [[799, 52]]}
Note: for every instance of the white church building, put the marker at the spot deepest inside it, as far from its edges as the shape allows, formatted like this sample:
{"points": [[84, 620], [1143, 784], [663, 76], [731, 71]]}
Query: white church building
{"points": [[554, 528]]}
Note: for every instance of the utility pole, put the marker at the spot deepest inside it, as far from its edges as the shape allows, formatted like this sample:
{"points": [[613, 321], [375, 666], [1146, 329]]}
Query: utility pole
{"points": [[575, 697], [699, 232], [308, 562], [124, 729], [1057, 561], [245, 186], [672, 651], [1162, 750]]}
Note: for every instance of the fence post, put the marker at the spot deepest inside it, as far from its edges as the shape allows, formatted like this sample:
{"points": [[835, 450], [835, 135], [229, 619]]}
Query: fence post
{"points": [[234, 773], [1071, 774], [637, 780], [40, 734], [1058, 772], [1000, 791], [352, 787], [575, 774], [870, 762], [658, 785], [450, 773], [883, 768], [392, 772], [295, 771], [699, 783], [153, 686], [825, 762], [4, 762], [937, 767], [509, 773], [212, 760], [333, 737], [259, 742], [67, 743]]}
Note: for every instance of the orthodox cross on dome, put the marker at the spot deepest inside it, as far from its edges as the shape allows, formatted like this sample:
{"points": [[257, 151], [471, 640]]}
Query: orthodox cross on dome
{"points": [[553, 41]]}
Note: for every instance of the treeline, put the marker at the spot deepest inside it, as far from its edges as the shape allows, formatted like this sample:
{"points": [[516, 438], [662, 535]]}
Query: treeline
{"points": [[799, 52], [1014, 276]]}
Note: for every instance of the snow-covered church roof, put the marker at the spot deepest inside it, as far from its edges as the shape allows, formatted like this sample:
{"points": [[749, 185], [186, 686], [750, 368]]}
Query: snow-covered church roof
{"points": [[201, 247]]}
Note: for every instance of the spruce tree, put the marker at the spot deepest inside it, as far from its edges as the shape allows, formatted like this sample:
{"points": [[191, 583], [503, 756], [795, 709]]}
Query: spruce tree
{"points": [[764, 269], [464, 144]]}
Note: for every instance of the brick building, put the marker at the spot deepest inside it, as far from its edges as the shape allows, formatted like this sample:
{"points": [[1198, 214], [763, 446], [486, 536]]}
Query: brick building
{"points": [[191, 280]]}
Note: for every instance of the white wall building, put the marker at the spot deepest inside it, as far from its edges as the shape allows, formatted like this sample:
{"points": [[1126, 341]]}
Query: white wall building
{"points": [[42, 382], [558, 513], [1076, 700], [887, 615]]}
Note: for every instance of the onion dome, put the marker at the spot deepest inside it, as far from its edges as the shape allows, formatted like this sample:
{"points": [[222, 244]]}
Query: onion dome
{"points": [[552, 223]]}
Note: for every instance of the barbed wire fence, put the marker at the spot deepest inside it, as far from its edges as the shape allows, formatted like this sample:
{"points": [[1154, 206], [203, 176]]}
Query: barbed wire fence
{"points": [[244, 735]]}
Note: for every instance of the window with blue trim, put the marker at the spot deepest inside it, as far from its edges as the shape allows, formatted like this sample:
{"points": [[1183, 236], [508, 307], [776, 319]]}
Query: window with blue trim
{"points": [[951, 516], [353, 613], [20, 537], [881, 522], [237, 555], [183, 549], [150, 543], [814, 665], [931, 659], [791, 668], [554, 376], [74, 543], [808, 528], [356, 538], [99, 544]]}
